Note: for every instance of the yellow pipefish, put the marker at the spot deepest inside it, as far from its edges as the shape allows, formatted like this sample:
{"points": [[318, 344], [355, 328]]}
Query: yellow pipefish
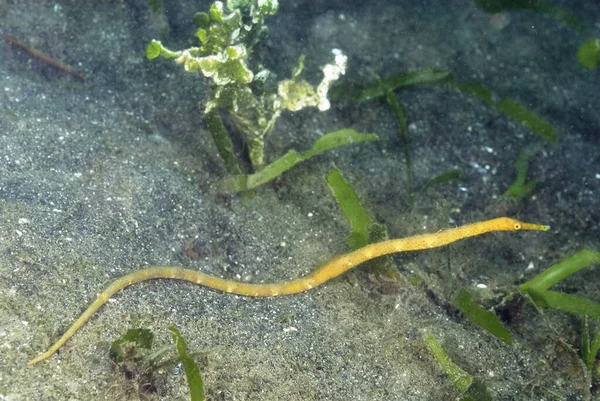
{"points": [[328, 271]]}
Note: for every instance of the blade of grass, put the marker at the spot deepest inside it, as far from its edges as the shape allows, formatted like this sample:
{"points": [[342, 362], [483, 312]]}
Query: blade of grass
{"points": [[561, 270], [348, 201], [463, 301], [566, 303], [474, 88], [508, 106], [359, 94], [589, 346], [477, 392], [461, 379], [290, 159], [192, 372], [513, 109], [222, 141], [364, 230], [520, 188], [443, 178], [592, 351], [403, 124]]}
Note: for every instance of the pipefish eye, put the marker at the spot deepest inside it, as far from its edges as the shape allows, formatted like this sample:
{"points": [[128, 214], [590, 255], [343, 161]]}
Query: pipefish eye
{"points": [[517, 226]]}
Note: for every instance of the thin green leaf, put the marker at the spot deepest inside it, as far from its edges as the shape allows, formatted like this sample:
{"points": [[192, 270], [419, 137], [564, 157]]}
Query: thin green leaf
{"points": [[403, 124], [592, 351], [399, 110], [427, 76], [561, 270], [364, 230], [585, 343], [290, 159], [520, 188], [589, 347], [508, 106], [192, 372], [463, 300], [461, 379], [513, 109], [222, 141], [359, 94], [353, 211], [566, 303], [443, 178], [474, 88]]}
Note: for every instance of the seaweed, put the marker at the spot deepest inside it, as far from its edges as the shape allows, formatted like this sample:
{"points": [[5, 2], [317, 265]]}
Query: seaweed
{"points": [[443, 178], [565, 302], [192, 372], [403, 124], [129, 344], [537, 289], [445, 79], [561, 270], [590, 345], [508, 106], [470, 388], [385, 87], [222, 142], [134, 358], [520, 188], [514, 109], [245, 182], [228, 34], [588, 53], [359, 93], [133, 354], [463, 301], [461, 379], [364, 230], [348, 201]]}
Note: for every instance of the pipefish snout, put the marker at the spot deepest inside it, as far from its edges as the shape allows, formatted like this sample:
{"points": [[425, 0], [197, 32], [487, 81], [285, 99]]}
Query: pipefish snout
{"points": [[328, 271]]}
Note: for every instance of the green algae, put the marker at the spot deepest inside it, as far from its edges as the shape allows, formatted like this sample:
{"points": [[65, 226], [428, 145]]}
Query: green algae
{"points": [[328, 141]]}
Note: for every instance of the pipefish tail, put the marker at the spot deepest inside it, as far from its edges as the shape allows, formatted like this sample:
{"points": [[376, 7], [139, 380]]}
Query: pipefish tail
{"points": [[328, 271]]}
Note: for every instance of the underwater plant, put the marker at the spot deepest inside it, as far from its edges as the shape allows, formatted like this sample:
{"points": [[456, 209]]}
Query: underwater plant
{"points": [[471, 388], [133, 354], [357, 93], [228, 33], [588, 53], [520, 188]]}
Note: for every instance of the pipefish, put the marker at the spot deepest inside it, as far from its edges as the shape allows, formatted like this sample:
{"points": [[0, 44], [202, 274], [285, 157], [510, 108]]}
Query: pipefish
{"points": [[328, 271]]}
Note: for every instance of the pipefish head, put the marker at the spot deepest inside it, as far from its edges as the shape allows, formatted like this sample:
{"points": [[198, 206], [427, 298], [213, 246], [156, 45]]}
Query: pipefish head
{"points": [[508, 224]]}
